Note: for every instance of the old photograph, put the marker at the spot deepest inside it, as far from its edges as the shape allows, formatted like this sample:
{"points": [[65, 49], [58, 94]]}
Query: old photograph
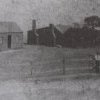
{"points": [[49, 49]]}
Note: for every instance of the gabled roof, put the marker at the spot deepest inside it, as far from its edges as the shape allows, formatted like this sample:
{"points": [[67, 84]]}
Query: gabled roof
{"points": [[62, 28], [43, 30], [7, 27], [46, 30]]}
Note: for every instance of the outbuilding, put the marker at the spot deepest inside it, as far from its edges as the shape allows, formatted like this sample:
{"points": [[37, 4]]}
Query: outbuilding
{"points": [[11, 36]]}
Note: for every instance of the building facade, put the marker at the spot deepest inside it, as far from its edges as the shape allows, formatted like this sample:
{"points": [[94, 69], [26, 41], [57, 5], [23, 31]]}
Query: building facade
{"points": [[48, 36], [11, 36]]}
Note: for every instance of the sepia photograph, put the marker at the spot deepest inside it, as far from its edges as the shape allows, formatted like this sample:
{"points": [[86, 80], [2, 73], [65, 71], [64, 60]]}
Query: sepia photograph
{"points": [[49, 49]]}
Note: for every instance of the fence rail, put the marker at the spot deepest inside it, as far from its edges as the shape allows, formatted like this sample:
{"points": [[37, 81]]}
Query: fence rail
{"points": [[64, 66]]}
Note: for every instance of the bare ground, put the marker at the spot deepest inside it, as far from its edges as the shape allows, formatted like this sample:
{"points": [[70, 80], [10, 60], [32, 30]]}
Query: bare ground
{"points": [[17, 83]]}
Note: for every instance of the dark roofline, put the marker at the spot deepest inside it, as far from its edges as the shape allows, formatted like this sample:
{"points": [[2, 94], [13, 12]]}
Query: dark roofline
{"points": [[12, 28], [47, 27]]}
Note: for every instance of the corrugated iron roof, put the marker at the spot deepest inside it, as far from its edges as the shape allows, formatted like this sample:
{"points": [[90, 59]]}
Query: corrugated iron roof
{"points": [[6, 27]]}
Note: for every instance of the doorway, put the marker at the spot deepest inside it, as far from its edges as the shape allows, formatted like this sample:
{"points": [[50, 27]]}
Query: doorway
{"points": [[9, 41]]}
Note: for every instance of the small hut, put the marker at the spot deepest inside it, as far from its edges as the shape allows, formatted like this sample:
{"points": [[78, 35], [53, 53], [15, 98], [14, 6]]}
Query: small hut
{"points": [[11, 36]]}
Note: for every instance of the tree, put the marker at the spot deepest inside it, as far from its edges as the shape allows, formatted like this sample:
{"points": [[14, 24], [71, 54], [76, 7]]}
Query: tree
{"points": [[92, 21]]}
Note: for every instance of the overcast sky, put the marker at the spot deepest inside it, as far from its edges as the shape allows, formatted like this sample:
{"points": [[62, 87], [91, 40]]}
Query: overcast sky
{"points": [[47, 11]]}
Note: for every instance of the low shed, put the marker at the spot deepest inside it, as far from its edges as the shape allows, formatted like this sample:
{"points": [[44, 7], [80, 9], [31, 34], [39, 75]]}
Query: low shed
{"points": [[11, 36]]}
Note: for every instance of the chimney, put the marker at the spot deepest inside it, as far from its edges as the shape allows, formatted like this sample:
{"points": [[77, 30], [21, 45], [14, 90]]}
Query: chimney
{"points": [[35, 31], [51, 28], [34, 27], [33, 24], [52, 32]]}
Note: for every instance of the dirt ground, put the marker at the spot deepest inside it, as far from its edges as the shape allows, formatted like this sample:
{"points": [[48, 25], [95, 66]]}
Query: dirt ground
{"points": [[19, 68], [59, 90]]}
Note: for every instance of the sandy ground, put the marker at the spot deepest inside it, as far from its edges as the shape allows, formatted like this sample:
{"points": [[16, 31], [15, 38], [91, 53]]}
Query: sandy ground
{"points": [[17, 83]]}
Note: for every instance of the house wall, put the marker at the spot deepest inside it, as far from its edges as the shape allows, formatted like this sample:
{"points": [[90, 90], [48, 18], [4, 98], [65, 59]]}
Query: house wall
{"points": [[46, 37], [59, 37], [3, 41], [16, 40], [31, 38]]}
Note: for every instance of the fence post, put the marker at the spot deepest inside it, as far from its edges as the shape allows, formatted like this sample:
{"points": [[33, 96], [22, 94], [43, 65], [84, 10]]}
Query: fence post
{"points": [[37, 39], [63, 62]]}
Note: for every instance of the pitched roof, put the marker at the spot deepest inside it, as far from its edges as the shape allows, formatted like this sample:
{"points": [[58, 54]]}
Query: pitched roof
{"points": [[6, 27], [43, 30], [62, 28]]}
